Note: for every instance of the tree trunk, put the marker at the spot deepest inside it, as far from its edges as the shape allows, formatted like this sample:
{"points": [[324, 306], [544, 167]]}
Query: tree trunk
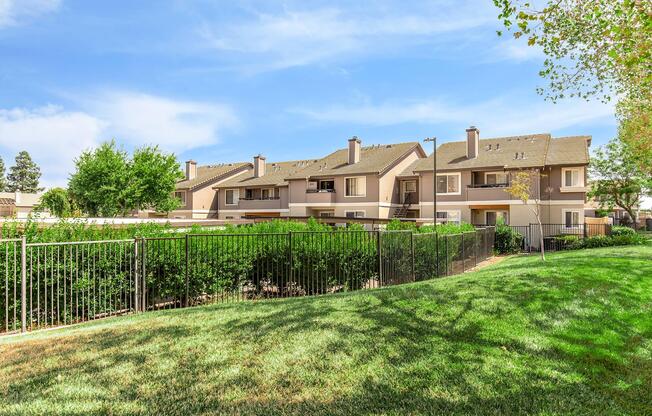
{"points": [[543, 254]]}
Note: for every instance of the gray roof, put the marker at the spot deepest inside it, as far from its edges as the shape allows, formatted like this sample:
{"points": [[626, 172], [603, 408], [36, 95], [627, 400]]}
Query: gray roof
{"points": [[211, 173], [526, 151], [375, 159], [275, 174]]}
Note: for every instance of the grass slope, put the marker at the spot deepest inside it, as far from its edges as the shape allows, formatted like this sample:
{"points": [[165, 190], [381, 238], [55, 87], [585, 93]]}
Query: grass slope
{"points": [[571, 336]]}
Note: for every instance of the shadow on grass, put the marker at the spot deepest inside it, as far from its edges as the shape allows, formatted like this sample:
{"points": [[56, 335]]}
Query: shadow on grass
{"points": [[569, 336]]}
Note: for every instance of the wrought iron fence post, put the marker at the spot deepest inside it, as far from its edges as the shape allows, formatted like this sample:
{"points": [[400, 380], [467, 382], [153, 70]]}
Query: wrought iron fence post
{"points": [[185, 302], [135, 276], [436, 255], [475, 246], [291, 260], [23, 283], [463, 255], [143, 275], [380, 258], [446, 241], [414, 277]]}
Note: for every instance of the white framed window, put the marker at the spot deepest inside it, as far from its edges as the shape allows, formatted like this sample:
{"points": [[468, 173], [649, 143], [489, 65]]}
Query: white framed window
{"points": [[354, 214], [496, 178], [449, 184], [356, 186], [449, 216], [572, 218], [326, 185], [494, 217], [572, 177], [181, 196], [231, 196]]}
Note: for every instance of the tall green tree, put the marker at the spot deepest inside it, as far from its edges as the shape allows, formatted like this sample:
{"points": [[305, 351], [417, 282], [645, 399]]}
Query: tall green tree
{"points": [[153, 177], [3, 179], [617, 179], [108, 183], [594, 48], [24, 175], [57, 202]]}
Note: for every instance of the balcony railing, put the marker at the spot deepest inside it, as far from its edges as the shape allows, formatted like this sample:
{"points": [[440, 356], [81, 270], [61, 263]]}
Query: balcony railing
{"points": [[488, 185], [320, 191], [270, 198]]}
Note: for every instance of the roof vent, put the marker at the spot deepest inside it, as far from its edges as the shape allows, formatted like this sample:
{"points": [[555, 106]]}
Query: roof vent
{"points": [[516, 156], [488, 147], [497, 146]]}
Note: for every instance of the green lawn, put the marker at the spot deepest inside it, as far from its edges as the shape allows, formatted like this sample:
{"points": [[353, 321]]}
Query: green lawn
{"points": [[571, 336]]}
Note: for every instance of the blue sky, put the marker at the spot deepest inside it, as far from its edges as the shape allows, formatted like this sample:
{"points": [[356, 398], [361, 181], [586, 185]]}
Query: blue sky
{"points": [[220, 81]]}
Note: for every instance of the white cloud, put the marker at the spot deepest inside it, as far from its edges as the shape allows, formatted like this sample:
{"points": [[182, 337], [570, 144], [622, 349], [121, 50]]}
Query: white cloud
{"points": [[297, 37], [52, 136], [175, 125], [502, 115], [510, 49], [55, 136], [13, 12]]}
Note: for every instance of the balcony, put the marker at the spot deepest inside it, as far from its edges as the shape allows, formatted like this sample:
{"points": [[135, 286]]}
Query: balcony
{"points": [[487, 192], [320, 196], [260, 203]]}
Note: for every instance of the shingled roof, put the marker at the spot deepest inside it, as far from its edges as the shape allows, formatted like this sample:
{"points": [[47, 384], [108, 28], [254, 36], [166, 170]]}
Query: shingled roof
{"points": [[275, 174], [514, 152], [374, 159], [210, 173]]}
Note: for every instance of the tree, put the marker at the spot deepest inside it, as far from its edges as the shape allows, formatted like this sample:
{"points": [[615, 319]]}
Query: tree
{"points": [[108, 183], [24, 175], [3, 180], [594, 47], [617, 180], [57, 202], [100, 181], [153, 177], [520, 187]]}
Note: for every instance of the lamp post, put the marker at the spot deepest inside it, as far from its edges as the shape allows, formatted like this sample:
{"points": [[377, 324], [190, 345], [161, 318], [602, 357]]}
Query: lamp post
{"points": [[434, 178]]}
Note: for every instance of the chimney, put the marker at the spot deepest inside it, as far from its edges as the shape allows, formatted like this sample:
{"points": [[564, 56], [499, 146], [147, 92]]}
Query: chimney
{"points": [[259, 166], [191, 170], [354, 150], [472, 142]]}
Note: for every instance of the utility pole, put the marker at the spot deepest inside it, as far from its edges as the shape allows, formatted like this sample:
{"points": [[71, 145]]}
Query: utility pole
{"points": [[434, 178]]}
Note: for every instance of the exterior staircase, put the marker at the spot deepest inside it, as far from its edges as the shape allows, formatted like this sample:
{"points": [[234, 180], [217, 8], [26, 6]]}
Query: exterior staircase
{"points": [[401, 212]]}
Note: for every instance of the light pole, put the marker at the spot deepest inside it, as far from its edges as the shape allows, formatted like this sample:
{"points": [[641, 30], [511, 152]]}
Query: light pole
{"points": [[434, 179]]}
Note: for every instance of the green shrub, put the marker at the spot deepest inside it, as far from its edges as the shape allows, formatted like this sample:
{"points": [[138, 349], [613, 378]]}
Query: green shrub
{"points": [[618, 230], [508, 240]]}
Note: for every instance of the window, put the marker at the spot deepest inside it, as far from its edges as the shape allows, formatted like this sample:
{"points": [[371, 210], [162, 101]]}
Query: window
{"points": [[495, 178], [572, 177], [354, 214], [249, 194], [232, 196], [326, 214], [181, 196], [327, 185], [410, 186], [356, 186], [448, 184], [571, 218], [448, 216], [267, 193], [495, 217]]}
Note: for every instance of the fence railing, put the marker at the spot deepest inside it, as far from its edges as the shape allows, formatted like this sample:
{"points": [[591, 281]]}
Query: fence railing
{"points": [[52, 284], [556, 236]]}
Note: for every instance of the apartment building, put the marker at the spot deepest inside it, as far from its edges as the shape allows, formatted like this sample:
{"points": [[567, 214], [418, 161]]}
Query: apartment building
{"points": [[18, 204], [472, 176], [262, 191], [196, 193], [356, 181]]}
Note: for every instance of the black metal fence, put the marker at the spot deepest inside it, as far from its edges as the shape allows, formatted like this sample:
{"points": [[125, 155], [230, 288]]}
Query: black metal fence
{"points": [[51, 284], [557, 236]]}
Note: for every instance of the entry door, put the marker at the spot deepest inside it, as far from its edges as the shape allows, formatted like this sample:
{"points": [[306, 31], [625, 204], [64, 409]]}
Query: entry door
{"points": [[493, 216], [408, 190]]}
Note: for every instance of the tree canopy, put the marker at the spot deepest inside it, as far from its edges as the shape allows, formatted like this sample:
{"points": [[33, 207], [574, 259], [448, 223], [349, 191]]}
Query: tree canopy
{"points": [[57, 202], [594, 48], [617, 180], [24, 175], [3, 180], [107, 182]]}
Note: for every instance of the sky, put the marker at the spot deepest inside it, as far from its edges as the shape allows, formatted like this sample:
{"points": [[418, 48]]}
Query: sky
{"points": [[221, 81]]}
